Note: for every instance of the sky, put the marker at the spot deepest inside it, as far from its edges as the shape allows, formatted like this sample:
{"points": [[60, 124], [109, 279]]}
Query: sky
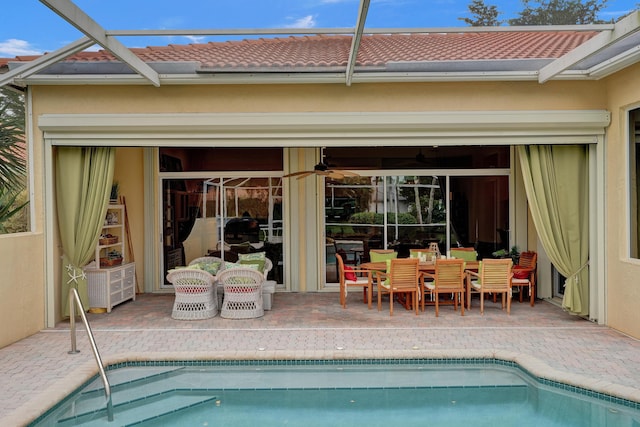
{"points": [[32, 28]]}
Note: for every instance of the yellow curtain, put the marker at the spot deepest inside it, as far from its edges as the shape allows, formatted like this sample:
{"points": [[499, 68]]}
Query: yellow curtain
{"points": [[84, 176], [556, 179]]}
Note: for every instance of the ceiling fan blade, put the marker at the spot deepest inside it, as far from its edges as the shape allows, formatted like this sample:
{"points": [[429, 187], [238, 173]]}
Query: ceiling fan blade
{"points": [[304, 174], [349, 173], [289, 175], [320, 171], [335, 174]]}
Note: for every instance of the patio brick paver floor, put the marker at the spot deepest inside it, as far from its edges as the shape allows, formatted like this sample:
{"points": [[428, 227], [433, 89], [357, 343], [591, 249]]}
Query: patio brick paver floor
{"points": [[37, 372]]}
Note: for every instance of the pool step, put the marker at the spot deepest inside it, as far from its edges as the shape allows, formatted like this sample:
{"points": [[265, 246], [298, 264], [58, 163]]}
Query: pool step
{"points": [[142, 410], [126, 385], [127, 376]]}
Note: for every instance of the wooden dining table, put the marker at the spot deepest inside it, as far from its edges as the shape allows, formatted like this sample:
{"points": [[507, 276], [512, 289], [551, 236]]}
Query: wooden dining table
{"points": [[423, 266]]}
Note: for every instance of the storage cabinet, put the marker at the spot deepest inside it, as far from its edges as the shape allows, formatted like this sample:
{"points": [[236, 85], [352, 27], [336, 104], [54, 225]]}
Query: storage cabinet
{"points": [[110, 279], [111, 286]]}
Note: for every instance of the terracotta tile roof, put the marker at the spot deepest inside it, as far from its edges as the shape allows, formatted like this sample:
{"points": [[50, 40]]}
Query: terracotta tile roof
{"points": [[5, 61], [322, 51]]}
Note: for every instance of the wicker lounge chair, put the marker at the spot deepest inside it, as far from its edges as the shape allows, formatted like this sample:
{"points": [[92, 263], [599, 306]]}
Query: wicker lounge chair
{"points": [[195, 298], [242, 293]]}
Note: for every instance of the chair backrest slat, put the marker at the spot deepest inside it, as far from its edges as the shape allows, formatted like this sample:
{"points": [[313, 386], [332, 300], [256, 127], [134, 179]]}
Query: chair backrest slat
{"points": [[528, 259], [496, 274], [404, 272], [449, 274]]}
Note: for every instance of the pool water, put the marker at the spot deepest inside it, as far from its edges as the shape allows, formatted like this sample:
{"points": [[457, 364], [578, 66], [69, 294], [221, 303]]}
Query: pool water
{"points": [[336, 393]]}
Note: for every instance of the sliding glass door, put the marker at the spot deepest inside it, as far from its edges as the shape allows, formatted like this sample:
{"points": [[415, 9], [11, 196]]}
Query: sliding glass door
{"points": [[402, 212], [221, 216]]}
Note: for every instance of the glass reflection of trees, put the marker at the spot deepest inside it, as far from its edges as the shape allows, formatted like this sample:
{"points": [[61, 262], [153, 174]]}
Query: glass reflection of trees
{"points": [[412, 208]]}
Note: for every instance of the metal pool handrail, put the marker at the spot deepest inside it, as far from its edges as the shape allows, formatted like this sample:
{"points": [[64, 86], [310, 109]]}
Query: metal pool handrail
{"points": [[74, 299]]}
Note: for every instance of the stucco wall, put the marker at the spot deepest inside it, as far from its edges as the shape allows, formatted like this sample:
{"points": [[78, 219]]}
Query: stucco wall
{"points": [[22, 305], [623, 273], [304, 98], [22, 263], [300, 98]]}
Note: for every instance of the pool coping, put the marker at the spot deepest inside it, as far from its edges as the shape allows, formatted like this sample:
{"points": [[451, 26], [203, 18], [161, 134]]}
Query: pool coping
{"points": [[44, 401]]}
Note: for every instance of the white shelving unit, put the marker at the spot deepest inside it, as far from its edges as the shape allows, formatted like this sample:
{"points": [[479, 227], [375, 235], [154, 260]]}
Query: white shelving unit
{"points": [[113, 226], [110, 279]]}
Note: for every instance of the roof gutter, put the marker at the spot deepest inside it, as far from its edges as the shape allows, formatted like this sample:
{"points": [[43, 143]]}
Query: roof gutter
{"points": [[44, 61], [299, 78]]}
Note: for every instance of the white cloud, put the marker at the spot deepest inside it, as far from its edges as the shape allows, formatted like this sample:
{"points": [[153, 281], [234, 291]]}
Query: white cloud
{"points": [[305, 22], [94, 48], [15, 47], [196, 39]]}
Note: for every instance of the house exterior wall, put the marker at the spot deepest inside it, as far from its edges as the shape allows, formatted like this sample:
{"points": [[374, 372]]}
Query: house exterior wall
{"points": [[22, 263], [623, 273], [608, 94], [321, 98], [22, 306]]}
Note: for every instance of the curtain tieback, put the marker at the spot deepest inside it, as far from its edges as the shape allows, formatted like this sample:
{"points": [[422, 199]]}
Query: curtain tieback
{"points": [[72, 272], [585, 265]]}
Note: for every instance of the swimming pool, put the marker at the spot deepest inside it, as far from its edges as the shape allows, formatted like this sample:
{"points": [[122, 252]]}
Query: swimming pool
{"points": [[460, 392]]}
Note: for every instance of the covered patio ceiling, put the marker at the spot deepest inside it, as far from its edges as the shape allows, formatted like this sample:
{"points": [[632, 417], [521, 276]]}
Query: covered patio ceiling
{"points": [[612, 48]]}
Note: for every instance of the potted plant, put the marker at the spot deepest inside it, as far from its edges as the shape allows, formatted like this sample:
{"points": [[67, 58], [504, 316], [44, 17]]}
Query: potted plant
{"points": [[113, 198], [514, 253]]}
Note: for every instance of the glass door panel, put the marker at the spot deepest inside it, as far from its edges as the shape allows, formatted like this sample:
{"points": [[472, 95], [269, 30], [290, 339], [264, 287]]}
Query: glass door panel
{"points": [[397, 212], [352, 225], [480, 213], [197, 222], [416, 213], [251, 214], [182, 224], [409, 211]]}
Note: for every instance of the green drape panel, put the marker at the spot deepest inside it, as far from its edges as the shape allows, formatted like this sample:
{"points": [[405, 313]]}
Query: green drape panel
{"points": [[84, 176], [556, 179]]}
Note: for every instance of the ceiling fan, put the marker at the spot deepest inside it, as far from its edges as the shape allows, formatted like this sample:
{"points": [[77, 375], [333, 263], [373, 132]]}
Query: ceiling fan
{"points": [[322, 169], [420, 160]]}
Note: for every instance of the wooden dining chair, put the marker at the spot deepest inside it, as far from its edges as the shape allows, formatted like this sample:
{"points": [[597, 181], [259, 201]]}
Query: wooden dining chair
{"points": [[402, 277], [353, 277], [524, 275], [448, 278], [494, 276], [377, 255]]}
